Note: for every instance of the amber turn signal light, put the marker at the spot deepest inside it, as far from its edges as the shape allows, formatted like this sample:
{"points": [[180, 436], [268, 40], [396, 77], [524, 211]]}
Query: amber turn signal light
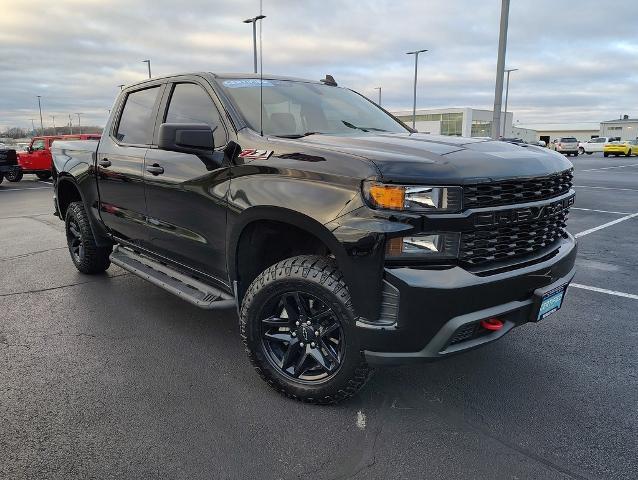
{"points": [[387, 196]]}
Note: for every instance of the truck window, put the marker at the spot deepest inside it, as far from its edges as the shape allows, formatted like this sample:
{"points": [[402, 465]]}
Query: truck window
{"points": [[136, 122], [191, 104], [38, 145]]}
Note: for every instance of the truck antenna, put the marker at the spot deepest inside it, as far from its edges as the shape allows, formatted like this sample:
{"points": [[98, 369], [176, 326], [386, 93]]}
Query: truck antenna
{"points": [[261, 73]]}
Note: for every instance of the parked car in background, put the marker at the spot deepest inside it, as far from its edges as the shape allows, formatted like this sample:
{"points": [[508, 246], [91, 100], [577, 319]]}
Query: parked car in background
{"points": [[8, 162], [617, 148], [594, 145], [565, 145], [634, 146], [538, 143], [36, 158]]}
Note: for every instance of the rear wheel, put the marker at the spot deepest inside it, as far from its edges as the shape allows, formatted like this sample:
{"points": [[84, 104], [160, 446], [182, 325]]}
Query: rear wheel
{"points": [[87, 256], [298, 326], [605, 154], [14, 176], [628, 154], [43, 175]]}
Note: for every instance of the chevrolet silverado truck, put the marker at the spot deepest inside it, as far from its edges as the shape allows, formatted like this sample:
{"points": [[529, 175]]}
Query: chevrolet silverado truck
{"points": [[344, 238]]}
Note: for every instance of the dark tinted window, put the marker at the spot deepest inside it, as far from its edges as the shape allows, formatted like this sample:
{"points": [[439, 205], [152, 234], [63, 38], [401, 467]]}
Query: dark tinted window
{"points": [[136, 123], [191, 104], [568, 139]]}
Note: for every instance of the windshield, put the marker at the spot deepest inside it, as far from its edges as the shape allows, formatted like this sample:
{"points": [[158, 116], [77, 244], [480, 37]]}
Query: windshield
{"points": [[294, 108]]}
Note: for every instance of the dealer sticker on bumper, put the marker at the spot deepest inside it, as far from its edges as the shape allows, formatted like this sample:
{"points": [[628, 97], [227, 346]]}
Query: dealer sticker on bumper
{"points": [[551, 302]]}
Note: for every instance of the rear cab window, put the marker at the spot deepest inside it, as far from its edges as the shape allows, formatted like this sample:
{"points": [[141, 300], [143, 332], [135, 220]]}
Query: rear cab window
{"points": [[137, 119], [568, 140]]}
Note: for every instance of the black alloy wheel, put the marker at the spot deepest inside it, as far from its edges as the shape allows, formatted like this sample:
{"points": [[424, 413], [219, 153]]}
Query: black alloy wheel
{"points": [[302, 336], [299, 328], [14, 175], [74, 240]]}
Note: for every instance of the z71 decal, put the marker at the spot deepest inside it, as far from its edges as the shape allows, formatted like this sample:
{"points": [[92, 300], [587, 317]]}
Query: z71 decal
{"points": [[253, 154]]}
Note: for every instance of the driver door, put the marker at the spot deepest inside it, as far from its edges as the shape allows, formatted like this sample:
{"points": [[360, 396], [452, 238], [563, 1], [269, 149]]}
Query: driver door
{"points": [[186, 193]]}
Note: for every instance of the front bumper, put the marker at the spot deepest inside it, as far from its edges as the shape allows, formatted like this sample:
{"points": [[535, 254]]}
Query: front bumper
{"points": [[436, 306]]}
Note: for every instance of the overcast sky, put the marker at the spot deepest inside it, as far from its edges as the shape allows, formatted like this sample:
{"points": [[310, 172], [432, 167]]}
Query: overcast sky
{"points": [[578, 60]]}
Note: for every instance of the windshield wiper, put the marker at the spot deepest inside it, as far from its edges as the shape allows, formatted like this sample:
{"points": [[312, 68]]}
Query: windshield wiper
{"points": [[298, 135], [363, 129]]}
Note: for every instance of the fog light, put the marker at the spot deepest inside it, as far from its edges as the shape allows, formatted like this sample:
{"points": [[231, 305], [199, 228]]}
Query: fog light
{"points": [[438, 245]]}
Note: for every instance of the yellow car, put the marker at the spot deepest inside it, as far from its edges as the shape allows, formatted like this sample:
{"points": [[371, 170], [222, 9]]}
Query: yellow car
{"points": [[620, 148]]}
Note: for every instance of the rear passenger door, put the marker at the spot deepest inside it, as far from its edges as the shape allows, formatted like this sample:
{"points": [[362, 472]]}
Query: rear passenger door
{"points": [[120, 165], [186, 202]]}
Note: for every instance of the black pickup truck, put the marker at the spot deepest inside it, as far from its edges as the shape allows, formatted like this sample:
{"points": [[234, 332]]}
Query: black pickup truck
{"points": [[344, 238], [9, 167]]}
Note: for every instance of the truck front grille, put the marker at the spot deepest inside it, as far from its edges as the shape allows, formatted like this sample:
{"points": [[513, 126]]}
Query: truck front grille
{"points": [[517, 191], [503, 242]]}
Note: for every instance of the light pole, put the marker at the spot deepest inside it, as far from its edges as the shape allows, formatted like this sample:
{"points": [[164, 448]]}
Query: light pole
{"points": [[254, 22], [79, 123], [53, 118], [416, 67], [500, 67], [148, 63], [33, 126], [378, 88], [40, 107], [70, 125], [507, 91]]}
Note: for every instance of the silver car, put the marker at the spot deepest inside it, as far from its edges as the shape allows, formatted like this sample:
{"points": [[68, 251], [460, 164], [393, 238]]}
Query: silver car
{"points": [[565, 145]]}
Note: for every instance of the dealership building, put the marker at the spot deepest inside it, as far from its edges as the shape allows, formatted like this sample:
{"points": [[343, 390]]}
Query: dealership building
{"points": [[465, 122], [626, 128]]}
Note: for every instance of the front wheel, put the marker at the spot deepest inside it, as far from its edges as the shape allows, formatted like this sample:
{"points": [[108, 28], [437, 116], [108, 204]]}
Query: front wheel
{"points": [[581, 150], [43, 175], [605, 154], [87, 256], [628, 154], [298, 326]]}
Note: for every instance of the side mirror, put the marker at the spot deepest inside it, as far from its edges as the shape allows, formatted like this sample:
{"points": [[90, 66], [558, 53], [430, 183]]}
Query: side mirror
{"points": [[195, 138]]}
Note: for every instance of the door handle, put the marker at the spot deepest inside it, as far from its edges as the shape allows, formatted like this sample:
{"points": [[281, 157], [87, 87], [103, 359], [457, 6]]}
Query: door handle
{"points": [[155, 169], [105, 162]]}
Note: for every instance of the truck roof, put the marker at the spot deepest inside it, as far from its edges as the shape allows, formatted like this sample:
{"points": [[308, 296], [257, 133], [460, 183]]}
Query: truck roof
{"points": [[265, 76]]}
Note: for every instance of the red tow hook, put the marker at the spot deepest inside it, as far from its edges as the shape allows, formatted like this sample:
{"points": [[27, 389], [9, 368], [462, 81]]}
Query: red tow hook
{"points": [[493, 324]]}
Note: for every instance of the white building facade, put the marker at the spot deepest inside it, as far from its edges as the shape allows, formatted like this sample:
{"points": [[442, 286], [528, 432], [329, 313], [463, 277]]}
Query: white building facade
{"points": [[626, 128], [460, 122]]}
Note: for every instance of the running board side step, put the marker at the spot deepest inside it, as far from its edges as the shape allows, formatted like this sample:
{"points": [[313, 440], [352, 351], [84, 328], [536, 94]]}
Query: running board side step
{"points": [[193, 291]]}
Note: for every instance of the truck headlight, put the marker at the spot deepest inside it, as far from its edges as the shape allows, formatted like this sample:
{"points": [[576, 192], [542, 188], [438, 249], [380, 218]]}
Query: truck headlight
{"points": [[415, 198], [441, 245]]}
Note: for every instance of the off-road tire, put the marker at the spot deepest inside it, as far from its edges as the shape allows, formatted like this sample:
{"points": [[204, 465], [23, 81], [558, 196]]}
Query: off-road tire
{"points": [[43, 175], [14, 176], [91, 258], [319, 276]]}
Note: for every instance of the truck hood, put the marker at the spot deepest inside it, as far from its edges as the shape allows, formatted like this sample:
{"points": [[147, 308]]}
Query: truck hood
{"points": [[417, 158]]}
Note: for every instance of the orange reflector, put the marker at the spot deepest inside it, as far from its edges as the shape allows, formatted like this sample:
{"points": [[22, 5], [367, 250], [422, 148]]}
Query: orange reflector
{"points": [[388, 196], [394, 246]]}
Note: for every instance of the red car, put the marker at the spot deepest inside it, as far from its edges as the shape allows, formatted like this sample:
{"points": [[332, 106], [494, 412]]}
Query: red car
{"points": [[37, 158]]}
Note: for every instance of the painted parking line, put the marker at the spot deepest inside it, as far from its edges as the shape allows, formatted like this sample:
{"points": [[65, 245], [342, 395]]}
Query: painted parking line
{"points": [[599, 211], [605, 225], [607, 188], [609, 168], [604, 290], [22, 189]]}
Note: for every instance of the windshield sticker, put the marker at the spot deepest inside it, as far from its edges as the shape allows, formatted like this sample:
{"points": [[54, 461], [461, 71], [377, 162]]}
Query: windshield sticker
{"points": [[247, 83]]}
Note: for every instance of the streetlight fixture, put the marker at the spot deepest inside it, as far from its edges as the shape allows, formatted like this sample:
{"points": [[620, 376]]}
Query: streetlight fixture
{"points": [[378, 88], [500, 68], [40, 107], [70, 125], [254, 22], [148, 63], [507, 91], [79, 123], [416, 66]]}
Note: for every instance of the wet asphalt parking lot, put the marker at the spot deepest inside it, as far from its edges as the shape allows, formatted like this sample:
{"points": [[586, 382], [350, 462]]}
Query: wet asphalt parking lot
{"points": [[110, 377]]}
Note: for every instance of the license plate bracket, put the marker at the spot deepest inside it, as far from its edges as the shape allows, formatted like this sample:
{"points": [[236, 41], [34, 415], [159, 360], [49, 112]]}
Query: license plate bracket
{"points": [[550, 302]]}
